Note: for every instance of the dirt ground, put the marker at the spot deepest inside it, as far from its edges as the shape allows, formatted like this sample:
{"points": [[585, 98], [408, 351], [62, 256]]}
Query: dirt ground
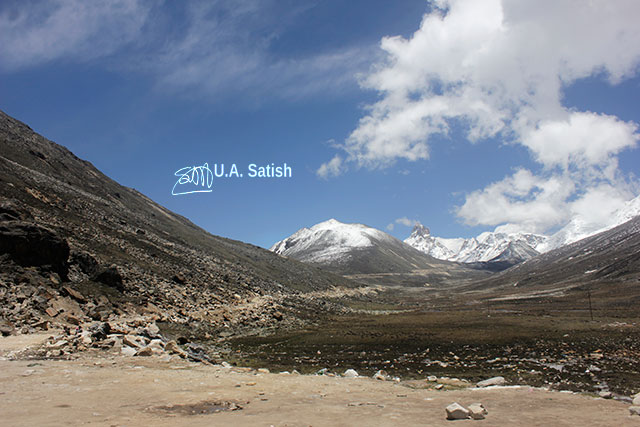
{"points": [[143, 391]]}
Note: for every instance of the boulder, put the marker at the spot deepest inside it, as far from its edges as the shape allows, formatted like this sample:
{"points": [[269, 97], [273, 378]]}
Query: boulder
{"points": [[455, 411], [492, 381], [29, 244], [381, 375], [173, 348], [109, 276], [350, 373], [74, 294], [477, 411], [636, 400], [634, 410], [133, 341], [100, 331], [128, 351], [146, 351], [85, 262], [6, 328], [152, 330]]}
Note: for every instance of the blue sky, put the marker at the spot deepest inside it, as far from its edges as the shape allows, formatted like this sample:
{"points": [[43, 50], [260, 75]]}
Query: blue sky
{"points": [[387, 112]]}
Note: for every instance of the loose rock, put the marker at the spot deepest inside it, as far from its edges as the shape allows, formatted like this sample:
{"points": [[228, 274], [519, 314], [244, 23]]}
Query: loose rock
{"points": [[455, 411], [381, 375], [350, 373], [492, 381], [477, 411]]}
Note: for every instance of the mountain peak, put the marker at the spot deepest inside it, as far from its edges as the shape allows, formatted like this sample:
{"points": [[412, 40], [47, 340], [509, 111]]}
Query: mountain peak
{"points": [[331, 221], [420, 230]]}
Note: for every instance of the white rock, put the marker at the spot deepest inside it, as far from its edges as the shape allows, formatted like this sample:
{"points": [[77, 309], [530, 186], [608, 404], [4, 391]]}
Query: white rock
{"points": [[634, 410], [455, 411], [492, 381], [350, 373], [636, 400], [432, 378], [381, 375], [152, 330], [128, 351], [133, 341], [156, 344], [605, 394], [145, 351], [477, 411]]}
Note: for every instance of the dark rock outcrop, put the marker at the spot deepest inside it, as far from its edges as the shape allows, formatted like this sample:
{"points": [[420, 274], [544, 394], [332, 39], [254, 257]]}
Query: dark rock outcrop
{"points": [[109, 276], [29, 244]]}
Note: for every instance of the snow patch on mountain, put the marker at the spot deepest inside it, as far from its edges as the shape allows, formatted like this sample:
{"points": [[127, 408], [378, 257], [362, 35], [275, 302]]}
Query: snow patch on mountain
{"points": [[329, 240], [487, 247], [578, 228]]}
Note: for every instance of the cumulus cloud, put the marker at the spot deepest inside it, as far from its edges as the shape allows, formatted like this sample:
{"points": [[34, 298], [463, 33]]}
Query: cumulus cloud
{"points": [[496, 69], [583, 139]]}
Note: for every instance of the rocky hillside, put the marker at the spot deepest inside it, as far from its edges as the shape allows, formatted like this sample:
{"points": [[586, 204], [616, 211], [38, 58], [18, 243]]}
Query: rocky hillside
{"points": [[607, 263], [76, 246]]}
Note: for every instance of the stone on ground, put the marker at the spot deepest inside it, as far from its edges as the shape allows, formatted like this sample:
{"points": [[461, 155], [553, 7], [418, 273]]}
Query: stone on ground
{"points": [[477, 411], [455, 411], [492, 381]]}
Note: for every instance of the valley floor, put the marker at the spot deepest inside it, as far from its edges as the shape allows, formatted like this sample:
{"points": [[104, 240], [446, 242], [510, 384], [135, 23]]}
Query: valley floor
{"points": [[104, 389]]}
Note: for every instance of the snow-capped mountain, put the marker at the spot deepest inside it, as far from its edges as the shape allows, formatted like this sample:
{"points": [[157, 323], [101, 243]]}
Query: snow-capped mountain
{"points": [[437, 247], [600, 261], [329, 241], [578, 228], [506, 248], [353, 249]]}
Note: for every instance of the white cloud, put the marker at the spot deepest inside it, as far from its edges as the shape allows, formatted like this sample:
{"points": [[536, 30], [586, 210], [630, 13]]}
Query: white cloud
{"points": [[497, 69], [402, 221], [334, 167], [67, 29], [533, 203], [583, 139], [214, 50], [406, 221]]}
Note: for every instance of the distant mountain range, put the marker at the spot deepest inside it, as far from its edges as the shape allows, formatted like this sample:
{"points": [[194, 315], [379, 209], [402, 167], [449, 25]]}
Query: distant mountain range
{"points": [[352, 249], [489, 247], [508, 249], [359, 249], [610, 258]]}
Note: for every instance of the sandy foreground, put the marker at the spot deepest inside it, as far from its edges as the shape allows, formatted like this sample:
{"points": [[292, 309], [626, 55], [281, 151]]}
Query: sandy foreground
{"points": [[146, 391]]}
